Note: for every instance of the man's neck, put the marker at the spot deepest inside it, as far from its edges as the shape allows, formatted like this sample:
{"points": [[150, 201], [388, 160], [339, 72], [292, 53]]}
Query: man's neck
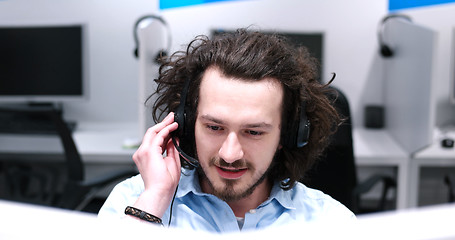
{"points": [[244, 205], [259, 195]]}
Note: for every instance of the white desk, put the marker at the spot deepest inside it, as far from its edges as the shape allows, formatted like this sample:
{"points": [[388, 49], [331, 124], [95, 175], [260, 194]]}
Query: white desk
{"points": [[377, 148], [104, 142], [96, 142], [432, 156]]}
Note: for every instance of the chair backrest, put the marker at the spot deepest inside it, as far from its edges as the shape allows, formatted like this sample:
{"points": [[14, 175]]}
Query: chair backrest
{"points": [[72, 160], [335, 173], [74, 165]]}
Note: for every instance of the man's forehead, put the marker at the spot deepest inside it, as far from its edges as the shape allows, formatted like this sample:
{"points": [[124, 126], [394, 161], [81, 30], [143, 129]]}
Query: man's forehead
{"points": [[240, 101], [214, 74]]}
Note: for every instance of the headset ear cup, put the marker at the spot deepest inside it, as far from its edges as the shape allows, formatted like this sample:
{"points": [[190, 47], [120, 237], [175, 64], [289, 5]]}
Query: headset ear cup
{"points": [[161, 53], [303, 133], [179, 118], [159, 57], [386, 51], [297, 135], [180, 113], [184, 131]]}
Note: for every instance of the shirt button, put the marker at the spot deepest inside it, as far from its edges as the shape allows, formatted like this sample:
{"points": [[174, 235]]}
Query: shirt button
{"points": [[253, 211]]}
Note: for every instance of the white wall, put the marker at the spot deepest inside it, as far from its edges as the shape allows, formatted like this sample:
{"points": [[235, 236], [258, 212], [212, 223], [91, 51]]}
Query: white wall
{"points": [[350, 28]]}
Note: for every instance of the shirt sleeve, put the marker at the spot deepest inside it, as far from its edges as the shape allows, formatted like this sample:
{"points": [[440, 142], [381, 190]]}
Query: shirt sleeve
{"points": [[124, 194]]}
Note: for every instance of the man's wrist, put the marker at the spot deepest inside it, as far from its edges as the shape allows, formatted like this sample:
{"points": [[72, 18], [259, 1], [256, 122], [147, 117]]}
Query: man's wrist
{"points": [[135, 212], [153, 202]]}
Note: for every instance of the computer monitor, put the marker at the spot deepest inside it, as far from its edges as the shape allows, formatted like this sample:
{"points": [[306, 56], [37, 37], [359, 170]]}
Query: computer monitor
{"points": [[452, 74], [42, 63], [313, 41]]}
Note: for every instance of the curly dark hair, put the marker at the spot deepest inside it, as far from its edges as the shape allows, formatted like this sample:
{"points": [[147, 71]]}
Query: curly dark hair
{"points": [[253, 56]]}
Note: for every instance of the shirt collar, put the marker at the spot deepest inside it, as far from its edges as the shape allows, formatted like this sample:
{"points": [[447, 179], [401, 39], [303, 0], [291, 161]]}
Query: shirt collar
{"points": [[189, 182], [284, 198]]}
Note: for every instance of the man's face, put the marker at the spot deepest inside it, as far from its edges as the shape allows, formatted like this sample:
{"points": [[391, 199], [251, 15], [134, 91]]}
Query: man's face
{"points": [[237, 133]]}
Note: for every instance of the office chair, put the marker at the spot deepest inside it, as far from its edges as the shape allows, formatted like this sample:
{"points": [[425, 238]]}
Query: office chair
{"points": [[336, 174], [39, 185], [449, 180]]}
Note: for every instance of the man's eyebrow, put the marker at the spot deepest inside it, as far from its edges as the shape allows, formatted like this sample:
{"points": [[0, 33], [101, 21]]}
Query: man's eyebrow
{"points": [[258, 125], [211, 119], [248, 125]]}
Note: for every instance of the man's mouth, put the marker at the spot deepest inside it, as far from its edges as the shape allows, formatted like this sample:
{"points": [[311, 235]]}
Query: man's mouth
{"points": [[231, 173]]}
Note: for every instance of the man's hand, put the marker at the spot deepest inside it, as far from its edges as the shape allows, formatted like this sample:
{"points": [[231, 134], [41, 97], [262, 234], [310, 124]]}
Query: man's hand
{"points": [[160, 174]]}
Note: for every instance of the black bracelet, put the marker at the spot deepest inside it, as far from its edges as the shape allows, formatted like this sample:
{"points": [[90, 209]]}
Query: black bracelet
{"points": [[132, 211]]}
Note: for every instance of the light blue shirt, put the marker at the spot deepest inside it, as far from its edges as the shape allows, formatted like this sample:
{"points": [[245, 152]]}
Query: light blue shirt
{"points": [[194, 209]]}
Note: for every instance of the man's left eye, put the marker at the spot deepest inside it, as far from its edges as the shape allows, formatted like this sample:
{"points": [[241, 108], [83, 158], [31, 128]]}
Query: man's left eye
{"points": [[254, 133]]}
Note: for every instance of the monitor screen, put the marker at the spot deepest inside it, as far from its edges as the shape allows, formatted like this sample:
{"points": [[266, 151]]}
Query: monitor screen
{"points": [[312, 41], [41, 63], [452, 76]]}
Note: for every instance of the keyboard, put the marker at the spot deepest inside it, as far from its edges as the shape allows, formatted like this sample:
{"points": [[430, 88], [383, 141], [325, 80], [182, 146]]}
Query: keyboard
{"points": [[25, 124]]}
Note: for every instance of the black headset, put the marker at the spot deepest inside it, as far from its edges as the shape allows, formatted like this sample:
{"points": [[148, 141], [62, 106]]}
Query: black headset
{"points": [[182, 132], [385, 50], [162, 52], [296, 136]]}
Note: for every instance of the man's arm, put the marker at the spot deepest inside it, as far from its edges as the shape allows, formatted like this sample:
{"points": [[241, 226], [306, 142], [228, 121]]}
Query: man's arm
{"points": [[159, 173]]}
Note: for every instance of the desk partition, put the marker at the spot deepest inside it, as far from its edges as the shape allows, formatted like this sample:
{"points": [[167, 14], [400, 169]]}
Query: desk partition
{"points": [[408, 84]]}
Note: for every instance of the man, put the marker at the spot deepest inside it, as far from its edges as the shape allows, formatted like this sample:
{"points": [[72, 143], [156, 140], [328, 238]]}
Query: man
{"points": [[255, 118]]}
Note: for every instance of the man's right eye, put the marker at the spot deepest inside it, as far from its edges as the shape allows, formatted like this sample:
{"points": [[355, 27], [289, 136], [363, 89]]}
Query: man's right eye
{"points": [[214, 128]]}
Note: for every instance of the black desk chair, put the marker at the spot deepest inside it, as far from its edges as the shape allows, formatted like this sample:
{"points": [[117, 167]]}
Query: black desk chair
{"points": [[76, 192], [449, 180], [336, 173]]}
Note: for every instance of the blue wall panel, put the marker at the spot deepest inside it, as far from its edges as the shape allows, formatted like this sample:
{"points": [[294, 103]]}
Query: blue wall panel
{"points": [[403, 4], [165, 4]]}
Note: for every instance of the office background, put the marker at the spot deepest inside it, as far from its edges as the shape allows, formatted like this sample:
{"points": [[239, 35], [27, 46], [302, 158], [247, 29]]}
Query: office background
{"points": [[350, 44]]}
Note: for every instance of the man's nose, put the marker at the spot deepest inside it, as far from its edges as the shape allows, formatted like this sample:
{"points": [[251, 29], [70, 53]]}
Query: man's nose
{"points": [[231, 150]]}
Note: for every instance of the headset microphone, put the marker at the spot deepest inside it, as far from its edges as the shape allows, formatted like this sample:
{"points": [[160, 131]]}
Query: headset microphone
{"points": [[190, 160]]}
